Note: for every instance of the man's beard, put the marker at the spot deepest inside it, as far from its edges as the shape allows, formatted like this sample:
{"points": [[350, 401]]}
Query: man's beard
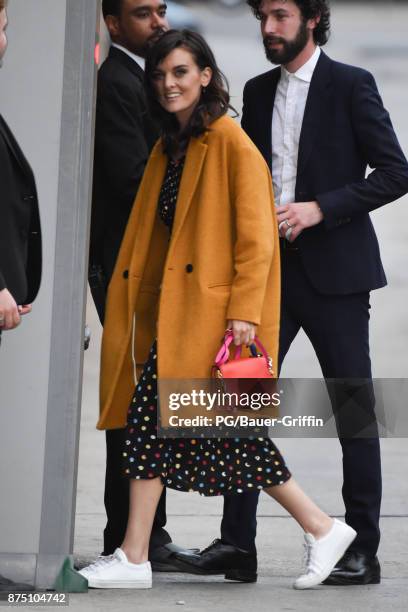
{"points": [[290, 49]]}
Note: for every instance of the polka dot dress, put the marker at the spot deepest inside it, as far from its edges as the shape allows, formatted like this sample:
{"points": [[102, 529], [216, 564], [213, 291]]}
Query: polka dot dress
{"points": [[214, 466]]}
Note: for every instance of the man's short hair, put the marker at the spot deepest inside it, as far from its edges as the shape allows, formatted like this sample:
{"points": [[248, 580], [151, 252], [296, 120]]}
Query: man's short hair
{"points": [[3, 4], [309, 10], [110, 7]]}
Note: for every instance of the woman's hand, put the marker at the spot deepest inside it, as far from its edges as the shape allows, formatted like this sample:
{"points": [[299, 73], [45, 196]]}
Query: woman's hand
{"points": [[244, 332], [9, 315]]}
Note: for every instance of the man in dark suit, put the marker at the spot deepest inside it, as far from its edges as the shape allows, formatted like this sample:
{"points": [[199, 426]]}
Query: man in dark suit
{"points": [[20, 232], [319, 124], [124, 132]]}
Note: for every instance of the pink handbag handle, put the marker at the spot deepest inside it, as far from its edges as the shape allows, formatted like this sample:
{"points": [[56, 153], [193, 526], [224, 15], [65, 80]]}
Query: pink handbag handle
{"points": [[224, 353]]}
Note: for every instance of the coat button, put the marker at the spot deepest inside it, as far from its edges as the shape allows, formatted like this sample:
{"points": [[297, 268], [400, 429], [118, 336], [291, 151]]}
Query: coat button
{"points": [[189, 268], [126, 274]]}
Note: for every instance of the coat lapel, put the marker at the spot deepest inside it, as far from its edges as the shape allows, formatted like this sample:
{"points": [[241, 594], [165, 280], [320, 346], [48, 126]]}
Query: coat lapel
{"points": [[144, 213], [158, 161], [195, 156], [143, 217], [141, 223], [315, 110]]}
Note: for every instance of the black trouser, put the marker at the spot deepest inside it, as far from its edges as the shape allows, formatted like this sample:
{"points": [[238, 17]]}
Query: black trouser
{"points": [[238, 525], [117, 499], [338, 328]]}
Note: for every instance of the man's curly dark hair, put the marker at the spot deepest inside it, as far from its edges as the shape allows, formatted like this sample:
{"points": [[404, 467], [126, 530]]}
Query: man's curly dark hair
{"points": [[309, 10]]}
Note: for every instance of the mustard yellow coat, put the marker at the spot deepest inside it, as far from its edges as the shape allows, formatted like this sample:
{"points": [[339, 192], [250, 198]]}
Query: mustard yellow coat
{"points": [[221, 263]]}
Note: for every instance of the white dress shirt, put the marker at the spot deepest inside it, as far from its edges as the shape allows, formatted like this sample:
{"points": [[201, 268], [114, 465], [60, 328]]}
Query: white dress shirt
{"points": [[287, 119], [135, 58]]}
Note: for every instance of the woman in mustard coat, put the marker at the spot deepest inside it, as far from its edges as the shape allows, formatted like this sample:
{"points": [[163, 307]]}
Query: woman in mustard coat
{"points": [[200, 253]]}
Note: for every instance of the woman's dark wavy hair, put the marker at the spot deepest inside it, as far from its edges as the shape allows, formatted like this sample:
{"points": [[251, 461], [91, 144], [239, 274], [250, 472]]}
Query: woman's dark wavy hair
{"points": [[309, 10], [214, 102]]}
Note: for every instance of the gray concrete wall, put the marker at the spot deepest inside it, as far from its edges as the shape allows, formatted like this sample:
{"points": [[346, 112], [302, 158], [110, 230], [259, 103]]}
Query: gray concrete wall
{"points": [[47, 97], [30, 101]]}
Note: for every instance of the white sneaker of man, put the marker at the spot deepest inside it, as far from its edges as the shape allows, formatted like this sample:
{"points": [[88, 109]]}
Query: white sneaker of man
{"points": [[116, 572], [320, 556]]}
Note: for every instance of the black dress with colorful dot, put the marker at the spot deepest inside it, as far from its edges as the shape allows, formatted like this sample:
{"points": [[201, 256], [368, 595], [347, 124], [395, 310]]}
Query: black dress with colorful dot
{"points": [[215, 466]]}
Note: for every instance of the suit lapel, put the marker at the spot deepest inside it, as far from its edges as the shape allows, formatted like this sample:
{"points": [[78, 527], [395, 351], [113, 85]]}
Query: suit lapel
{"points": [[315, 110], [14, 147], [126, 61], [266, 103]]}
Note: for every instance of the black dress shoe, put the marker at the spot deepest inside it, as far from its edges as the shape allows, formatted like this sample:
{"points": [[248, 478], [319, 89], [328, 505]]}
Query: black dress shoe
{"points": [[162, 557], [355, 568], [220, 558]]}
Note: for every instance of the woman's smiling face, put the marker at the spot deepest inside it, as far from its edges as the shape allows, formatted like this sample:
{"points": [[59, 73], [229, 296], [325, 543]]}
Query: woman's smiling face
{"points": [[179, 82]]}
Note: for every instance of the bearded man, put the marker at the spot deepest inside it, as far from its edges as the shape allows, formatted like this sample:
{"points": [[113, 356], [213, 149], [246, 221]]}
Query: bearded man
{"points": [[319, 124]]}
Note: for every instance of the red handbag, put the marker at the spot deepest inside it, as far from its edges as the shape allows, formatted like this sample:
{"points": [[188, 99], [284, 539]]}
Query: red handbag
{"points": [[259, 366]]}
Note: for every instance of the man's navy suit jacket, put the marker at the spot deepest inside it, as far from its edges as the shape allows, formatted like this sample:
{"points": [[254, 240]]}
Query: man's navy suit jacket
{"points": [[345, 129]]}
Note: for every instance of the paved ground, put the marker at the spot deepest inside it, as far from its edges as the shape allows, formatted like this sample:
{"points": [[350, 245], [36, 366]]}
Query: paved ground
{"points": [[375, 39]]}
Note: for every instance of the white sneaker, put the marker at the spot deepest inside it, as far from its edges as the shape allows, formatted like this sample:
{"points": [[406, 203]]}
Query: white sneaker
{"points": [[116, 572], [322, 555]]}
